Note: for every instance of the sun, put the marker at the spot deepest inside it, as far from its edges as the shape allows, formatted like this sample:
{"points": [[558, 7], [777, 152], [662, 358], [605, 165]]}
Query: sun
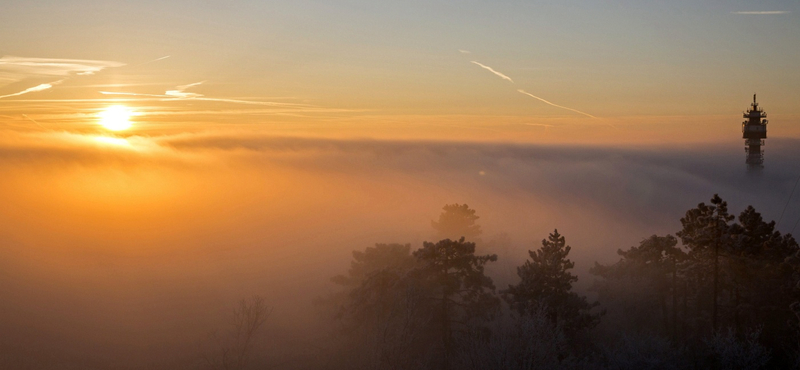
{"points": [[116, 118]]}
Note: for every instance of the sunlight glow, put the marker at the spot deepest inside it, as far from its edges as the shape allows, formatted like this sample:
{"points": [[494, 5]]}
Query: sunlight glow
{"points": [[112, 141], [116, 118]]}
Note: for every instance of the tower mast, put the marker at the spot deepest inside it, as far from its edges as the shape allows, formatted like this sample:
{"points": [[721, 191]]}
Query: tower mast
{"points": [[754, 131]]}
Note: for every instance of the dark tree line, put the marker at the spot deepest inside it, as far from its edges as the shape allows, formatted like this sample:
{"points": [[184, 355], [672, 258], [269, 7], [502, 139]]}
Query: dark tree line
{"points": [[727, 297]]}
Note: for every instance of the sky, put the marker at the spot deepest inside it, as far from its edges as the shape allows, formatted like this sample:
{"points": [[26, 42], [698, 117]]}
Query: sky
{"points": [[268, 140], [383, 69]]}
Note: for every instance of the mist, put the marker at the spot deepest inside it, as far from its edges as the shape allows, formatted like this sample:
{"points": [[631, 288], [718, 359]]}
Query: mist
{"points": [[129, 254]]}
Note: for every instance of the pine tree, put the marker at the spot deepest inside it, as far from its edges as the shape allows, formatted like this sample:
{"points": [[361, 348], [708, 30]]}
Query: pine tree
{"points": [[547, 282], [456, 221], [652, 268], [462, 294], [382, 311], [391, 256], [707, 233]]}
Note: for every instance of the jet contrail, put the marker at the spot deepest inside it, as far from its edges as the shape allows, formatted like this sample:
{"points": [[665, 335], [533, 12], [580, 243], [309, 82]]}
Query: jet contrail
{"points": [[41, 87], [178, 95], [493, 71], [154, 60], [32, 120], [768, 12], [555, 105]]}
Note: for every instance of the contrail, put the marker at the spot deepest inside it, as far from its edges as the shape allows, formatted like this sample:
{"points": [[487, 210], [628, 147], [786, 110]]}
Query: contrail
{"points": [[33, 120], [25, 67], [493, 71], [176, 95], [41, 87], [768, 12], [153, 61], [553, 104]]}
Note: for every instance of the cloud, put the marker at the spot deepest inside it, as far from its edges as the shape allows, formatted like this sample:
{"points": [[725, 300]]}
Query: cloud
{"points": [[462, 51], [177, 95], [553, 104], [651, 185], [30, 67], [13, 69], [632, 183], [767, 12], [179, 92], [498, 74], [37, 88], [165, 245]]}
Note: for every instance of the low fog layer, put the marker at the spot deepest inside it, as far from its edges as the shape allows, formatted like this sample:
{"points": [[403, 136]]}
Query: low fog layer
{"points": [[131, 252]]}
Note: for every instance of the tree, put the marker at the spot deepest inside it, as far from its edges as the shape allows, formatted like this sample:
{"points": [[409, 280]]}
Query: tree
{"points": [[545, 280], [706, 231], [390, 256], [531, 342], [231, 350], [462, 295], [642, 281], [456, 221], [761, 289], [382, 310]]}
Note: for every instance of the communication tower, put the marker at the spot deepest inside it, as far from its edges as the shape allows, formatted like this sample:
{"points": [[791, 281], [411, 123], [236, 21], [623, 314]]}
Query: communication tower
{"points": [[754, 131]]}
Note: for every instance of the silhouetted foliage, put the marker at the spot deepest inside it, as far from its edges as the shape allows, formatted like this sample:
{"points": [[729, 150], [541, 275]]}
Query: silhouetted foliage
{"points": [[727, 350], [395, 257], [706, 232], [436, 307], [547, 282], [645, 351], [456, 221], [527, 342], [651, 270], [462, 294], [231, 349], [384, 311]]}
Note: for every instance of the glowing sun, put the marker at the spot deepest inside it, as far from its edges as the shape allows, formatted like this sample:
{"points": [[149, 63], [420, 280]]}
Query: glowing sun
{"points": [[116, 118]]}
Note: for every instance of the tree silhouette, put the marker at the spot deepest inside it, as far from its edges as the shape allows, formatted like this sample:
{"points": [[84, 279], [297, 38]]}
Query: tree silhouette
{"points": [[390, 256], [546, 282], [462, 293], [706, 231], [383, 311], [760, 285], [456, 221], [231, 349], [653, 268]]}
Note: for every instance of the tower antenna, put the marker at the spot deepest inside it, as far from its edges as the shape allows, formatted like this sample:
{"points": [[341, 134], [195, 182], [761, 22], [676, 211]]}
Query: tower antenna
{"points": [[754, 131]]}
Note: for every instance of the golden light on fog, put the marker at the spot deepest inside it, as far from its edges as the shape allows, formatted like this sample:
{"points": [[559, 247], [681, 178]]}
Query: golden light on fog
{"points": [[112, 141], [116, 118]]}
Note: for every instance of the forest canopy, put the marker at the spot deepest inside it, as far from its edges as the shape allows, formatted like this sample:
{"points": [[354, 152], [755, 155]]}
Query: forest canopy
{"points": [[722, 292]]}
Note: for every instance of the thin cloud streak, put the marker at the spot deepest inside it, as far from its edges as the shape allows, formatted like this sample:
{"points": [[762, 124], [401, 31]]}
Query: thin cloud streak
{"points": [[498, 74], [26, 67], [157, 59], [462, 51], [767, 12], [200, 97], [37, 88], [553, 104], [180, 91], [32, 120]]}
